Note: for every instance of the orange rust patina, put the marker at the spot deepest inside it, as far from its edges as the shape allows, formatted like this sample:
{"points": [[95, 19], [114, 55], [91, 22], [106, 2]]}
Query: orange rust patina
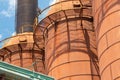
{"points": [[70, 44], [20, 50], [107, 24]]}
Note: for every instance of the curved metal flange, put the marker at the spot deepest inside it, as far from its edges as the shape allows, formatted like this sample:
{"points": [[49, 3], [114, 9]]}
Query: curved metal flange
{"points": [[58, 12], [17, 48]]}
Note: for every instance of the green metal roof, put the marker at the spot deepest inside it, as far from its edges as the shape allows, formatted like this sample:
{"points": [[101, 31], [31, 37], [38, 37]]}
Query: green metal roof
{"points": [[12, 72]]}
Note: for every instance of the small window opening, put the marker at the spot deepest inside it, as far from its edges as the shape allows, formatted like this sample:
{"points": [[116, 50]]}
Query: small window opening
{"points": [[76, 5]]}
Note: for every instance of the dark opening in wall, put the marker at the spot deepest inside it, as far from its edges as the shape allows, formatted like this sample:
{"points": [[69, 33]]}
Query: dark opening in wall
{"points": [[76, 5]]}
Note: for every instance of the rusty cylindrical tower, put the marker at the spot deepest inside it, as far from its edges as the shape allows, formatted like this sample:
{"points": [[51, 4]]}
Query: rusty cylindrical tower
{"points": [[107, 15], [70, 47], [21, 49]]}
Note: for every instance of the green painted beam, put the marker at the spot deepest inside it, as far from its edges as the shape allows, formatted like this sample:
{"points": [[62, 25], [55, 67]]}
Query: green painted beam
{"points": [[21, 73]]}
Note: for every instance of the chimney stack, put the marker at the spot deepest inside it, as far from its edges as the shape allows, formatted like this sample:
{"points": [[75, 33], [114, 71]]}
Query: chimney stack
{"points": [[25, 15]]}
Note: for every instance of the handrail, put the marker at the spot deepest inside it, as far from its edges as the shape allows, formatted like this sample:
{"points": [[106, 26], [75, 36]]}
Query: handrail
{"points": [[3, 42], [21, 30], [58, 3], [45, 18], [43, 12], [21, 72]]}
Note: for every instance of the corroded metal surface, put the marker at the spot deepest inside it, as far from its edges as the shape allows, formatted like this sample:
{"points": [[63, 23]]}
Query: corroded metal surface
{"points": [[70, 44], [106, 14], [20, 50]]}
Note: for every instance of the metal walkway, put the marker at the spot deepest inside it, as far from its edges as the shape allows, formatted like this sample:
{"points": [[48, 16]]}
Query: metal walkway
{"points": [[12, 72]]}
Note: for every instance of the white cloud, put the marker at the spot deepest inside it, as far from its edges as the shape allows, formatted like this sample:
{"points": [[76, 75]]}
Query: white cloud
{"points": [[14, 33], [53, 1], [10, 11], [0, 36], [5, 13]]}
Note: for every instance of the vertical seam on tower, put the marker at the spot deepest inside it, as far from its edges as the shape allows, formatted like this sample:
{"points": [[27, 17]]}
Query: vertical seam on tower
{"points": [[111, 72], [21, 57], [106, 40], [68, 34]]}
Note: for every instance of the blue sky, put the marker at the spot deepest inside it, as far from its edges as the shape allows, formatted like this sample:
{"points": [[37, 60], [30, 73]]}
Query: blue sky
{"points": [[7, 16]]}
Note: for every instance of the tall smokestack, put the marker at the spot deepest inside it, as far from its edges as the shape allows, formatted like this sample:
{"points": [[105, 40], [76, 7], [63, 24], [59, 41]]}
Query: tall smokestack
{"points": [[25, 15], [22, 48]]}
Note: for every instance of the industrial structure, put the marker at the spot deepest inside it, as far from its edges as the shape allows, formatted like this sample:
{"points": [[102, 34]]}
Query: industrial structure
{"points": [[67, 56], [69, 40], [21, 50], [107, 26]]}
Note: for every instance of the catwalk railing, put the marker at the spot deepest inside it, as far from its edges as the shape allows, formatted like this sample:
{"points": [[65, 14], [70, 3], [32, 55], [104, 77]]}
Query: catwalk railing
{"points": [[18, 73], [53, 14]]}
